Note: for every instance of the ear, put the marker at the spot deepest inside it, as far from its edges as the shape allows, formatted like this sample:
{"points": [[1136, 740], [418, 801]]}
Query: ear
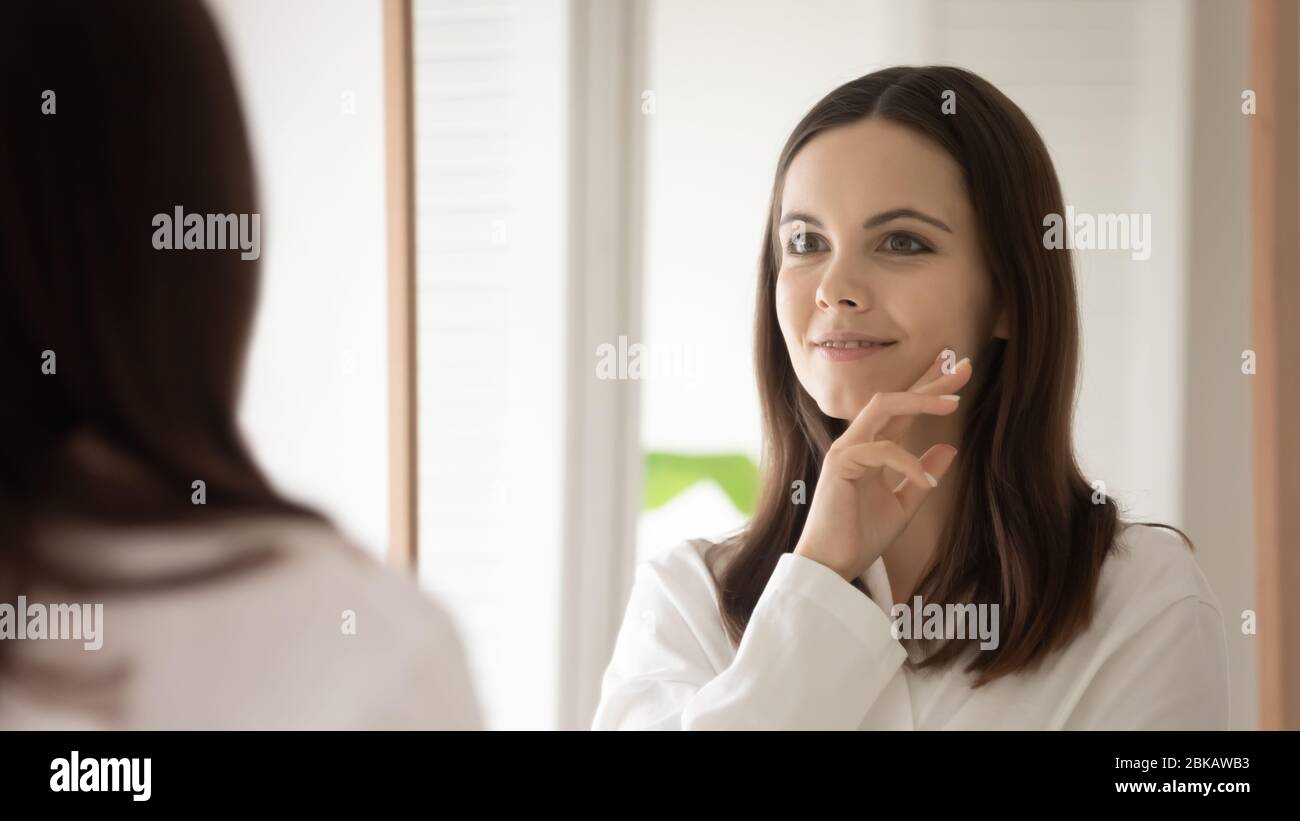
{"points": [[1000, 328]]}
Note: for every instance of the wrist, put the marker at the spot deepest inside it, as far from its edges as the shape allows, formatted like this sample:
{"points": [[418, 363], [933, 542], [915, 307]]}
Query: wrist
{"points": [[808, 553]]}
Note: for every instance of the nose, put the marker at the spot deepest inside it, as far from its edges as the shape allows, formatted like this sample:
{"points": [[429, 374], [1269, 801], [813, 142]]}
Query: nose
{"points": [[840, 290]]}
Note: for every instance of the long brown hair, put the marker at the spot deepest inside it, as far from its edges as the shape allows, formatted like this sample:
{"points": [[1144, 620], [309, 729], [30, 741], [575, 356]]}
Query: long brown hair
{"points": [[1024, 532], [115, 112]]}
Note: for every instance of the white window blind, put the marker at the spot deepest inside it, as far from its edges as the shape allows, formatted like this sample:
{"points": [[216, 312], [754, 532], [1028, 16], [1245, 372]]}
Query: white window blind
{"points": [[490, 117]]}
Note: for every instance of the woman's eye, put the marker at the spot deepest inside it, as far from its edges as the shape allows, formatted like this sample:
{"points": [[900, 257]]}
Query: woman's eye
{"points": [[905, 244], [800, 244]]}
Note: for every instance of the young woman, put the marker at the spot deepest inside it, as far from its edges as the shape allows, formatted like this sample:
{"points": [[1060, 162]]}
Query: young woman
{"points": [[222, 605], [907, 305]]}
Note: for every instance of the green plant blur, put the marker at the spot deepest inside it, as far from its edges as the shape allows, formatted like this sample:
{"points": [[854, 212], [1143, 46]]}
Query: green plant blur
{"points": [[668, 474]]}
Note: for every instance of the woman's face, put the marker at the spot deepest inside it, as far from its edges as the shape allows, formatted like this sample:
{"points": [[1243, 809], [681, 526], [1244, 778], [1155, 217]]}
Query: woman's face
{"points": [[879, 244]]}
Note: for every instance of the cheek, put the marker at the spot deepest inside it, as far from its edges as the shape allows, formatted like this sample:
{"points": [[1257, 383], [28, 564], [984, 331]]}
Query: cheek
{"points": [[791, 308], [953, 313]]}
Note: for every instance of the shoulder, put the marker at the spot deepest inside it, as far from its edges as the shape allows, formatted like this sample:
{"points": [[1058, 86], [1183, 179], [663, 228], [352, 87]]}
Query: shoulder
{"points": [[686, 568], [407, 634], [310, 570], [367, 629], [1155, 655], [313, 634], [323, 564], [688, 555], [1149, 570]]}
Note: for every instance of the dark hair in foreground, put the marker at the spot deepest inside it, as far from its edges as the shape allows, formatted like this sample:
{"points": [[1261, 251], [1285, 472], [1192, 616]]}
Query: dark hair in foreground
{"points": [[149, 344], [1024, 531]]}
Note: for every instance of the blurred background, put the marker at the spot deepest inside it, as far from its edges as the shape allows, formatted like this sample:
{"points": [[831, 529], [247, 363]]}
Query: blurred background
{"points": [[589, 183]]}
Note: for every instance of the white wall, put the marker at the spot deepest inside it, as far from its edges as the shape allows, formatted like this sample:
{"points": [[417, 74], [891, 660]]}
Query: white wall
{"points": [[315, 401], [1218, 491]]}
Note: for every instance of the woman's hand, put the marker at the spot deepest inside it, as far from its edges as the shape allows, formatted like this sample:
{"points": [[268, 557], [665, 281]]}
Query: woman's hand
{"points": [[855, 514]]}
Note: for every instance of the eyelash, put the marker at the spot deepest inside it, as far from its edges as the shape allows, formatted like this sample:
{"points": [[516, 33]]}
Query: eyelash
{"points": [[921, 246]]}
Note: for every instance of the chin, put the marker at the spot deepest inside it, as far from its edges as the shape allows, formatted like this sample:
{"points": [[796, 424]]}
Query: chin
{"points": [[843, 404]]}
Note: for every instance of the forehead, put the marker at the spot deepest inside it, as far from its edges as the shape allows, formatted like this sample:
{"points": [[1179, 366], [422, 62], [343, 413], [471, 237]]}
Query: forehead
{"points": [[853, 171]]}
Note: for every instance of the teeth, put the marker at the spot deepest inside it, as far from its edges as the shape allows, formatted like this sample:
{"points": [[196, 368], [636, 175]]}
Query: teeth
{"points": [[854, 344]]}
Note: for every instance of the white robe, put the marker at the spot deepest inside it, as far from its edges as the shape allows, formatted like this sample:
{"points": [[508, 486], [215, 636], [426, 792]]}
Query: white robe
{"points": [[818, 654], [322, 638]]}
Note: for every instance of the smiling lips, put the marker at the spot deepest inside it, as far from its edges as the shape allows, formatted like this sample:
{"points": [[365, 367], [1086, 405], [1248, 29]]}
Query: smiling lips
{"points": [[842, 346]]}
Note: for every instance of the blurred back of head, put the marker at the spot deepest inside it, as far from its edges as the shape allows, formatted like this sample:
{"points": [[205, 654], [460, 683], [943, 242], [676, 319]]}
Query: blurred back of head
{"points": [[120, 363]]}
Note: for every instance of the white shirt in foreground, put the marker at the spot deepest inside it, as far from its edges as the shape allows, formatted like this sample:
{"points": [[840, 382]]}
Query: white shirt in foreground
{"points": [[818, 655], [268, 648]]}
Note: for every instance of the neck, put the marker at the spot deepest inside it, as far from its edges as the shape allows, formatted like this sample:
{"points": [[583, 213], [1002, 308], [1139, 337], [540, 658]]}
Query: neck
{"points": [[910, 556]]}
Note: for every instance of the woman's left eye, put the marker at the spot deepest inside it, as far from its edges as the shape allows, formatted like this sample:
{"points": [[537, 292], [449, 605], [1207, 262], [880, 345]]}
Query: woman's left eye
{"points": [[905, 244]]}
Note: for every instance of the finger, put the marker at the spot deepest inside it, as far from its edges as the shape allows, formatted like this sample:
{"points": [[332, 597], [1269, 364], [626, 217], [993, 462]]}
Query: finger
{"points": [[936, 462], [856, 461], [934, 371], [949, 382], [945, 385], [885, 407]]}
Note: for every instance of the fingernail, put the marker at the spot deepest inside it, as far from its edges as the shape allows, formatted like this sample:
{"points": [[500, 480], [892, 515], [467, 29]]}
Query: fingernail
{"points": [[965, 360], [933, 481], [951, 397]]}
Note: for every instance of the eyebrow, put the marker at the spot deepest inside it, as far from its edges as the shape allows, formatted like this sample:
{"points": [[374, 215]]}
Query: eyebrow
{"points": [[879, 219]]}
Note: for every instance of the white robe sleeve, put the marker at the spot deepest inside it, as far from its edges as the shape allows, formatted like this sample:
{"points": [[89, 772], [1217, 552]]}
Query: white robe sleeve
{"points": [[1171, 673], [816, 654]]}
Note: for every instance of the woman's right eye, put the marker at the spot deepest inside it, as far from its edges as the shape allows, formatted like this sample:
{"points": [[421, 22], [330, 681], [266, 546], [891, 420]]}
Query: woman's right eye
{"points": [[801, 243]]}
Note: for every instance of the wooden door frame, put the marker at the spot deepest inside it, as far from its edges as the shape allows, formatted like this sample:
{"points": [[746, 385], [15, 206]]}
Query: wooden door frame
{"points": [[399, 163], [1275, 211]]}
